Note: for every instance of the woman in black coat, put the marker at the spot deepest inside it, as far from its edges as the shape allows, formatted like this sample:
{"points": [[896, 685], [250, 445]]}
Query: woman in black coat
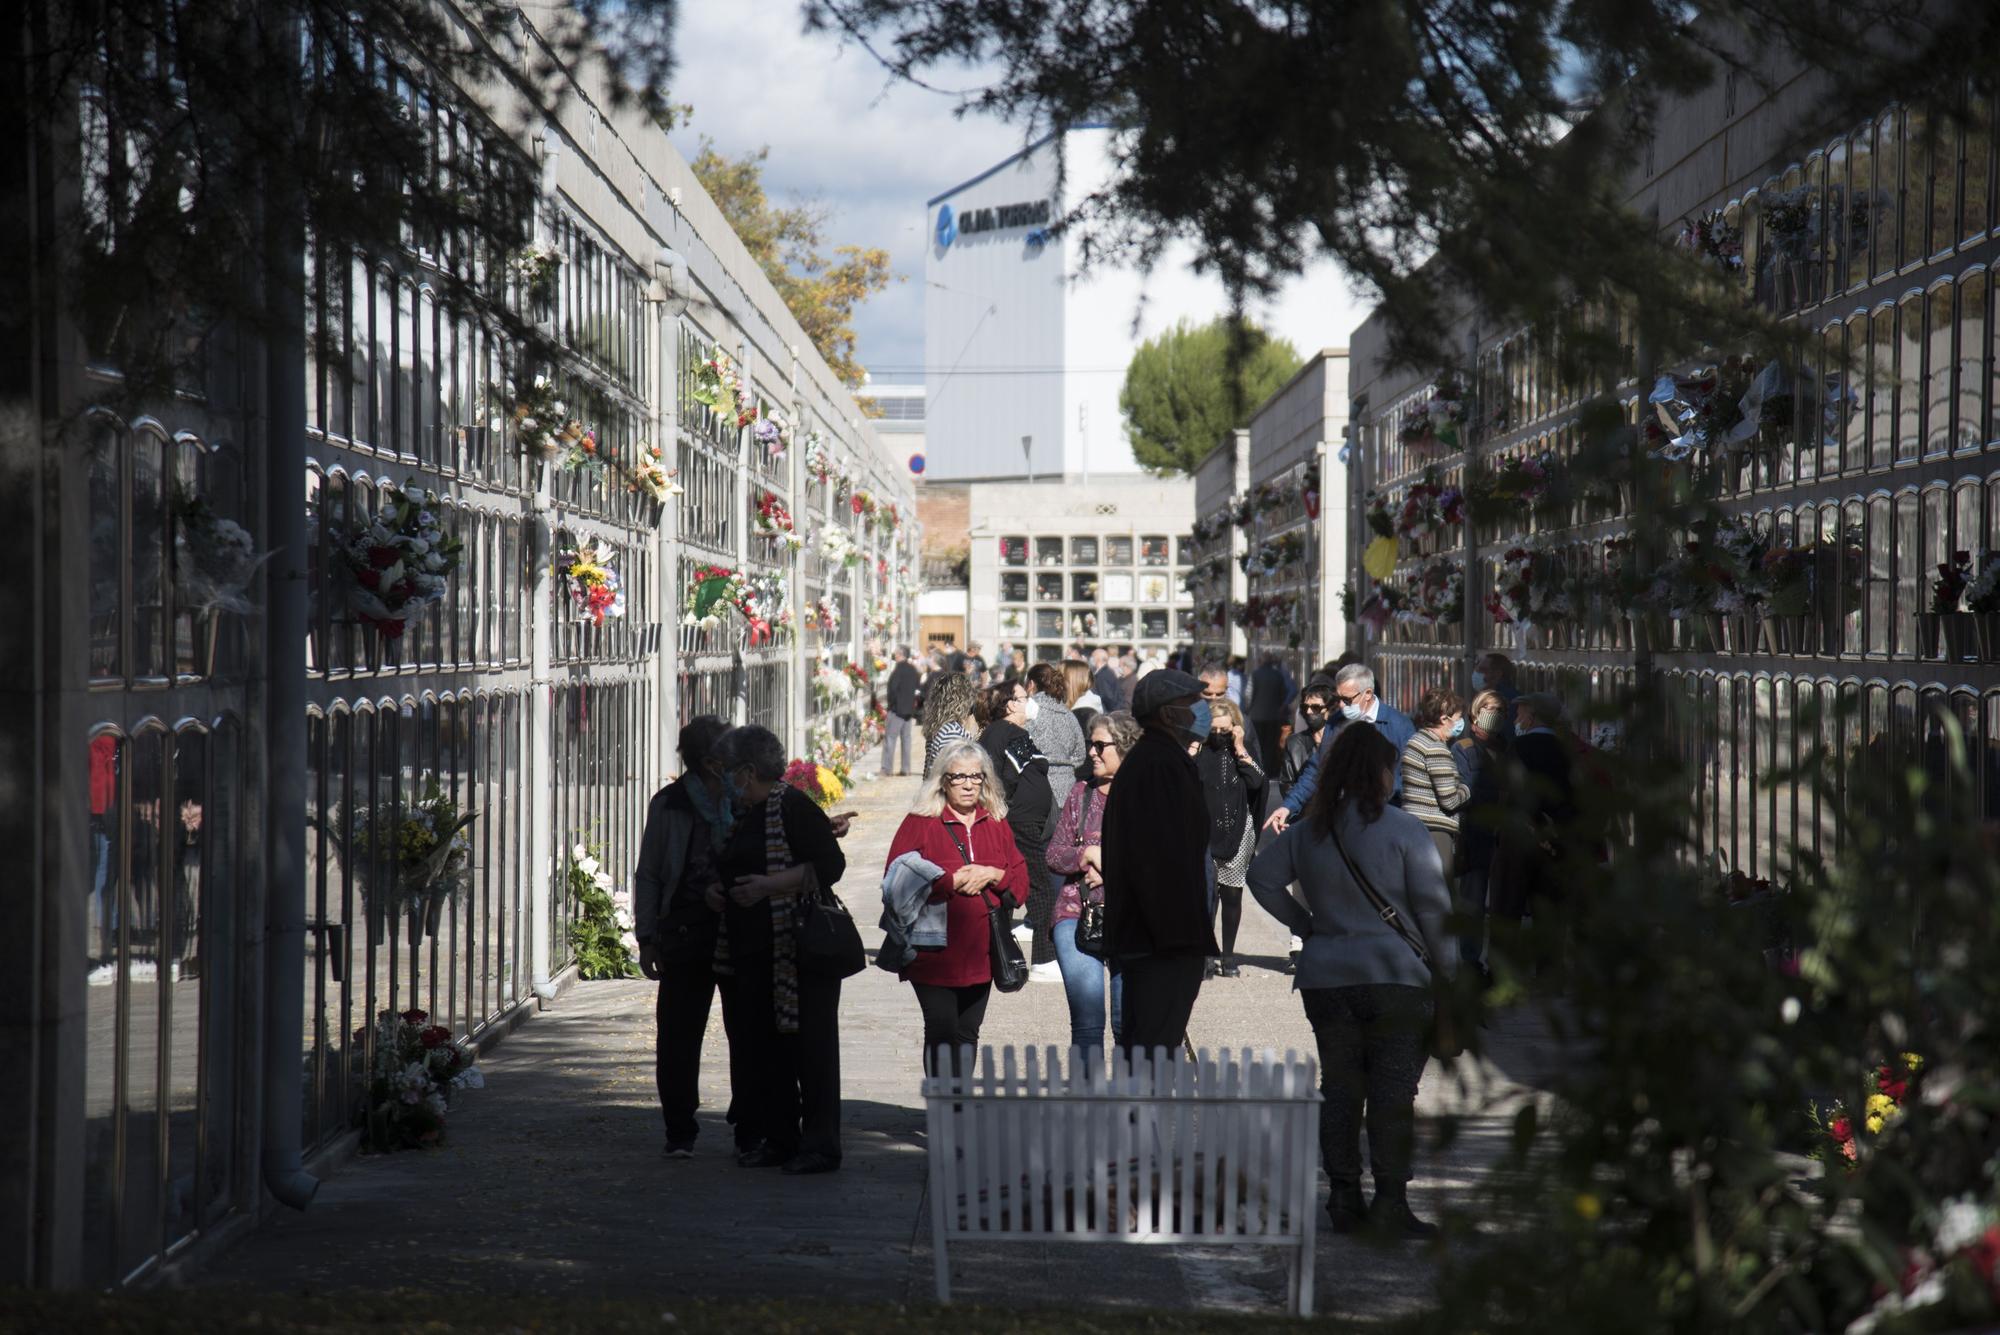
{"points": [[780, 843], [1234, 787], [1024, 773]]}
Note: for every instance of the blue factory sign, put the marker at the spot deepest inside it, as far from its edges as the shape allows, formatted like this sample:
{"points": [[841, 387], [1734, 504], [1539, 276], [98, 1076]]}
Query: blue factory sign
{"points": [[998, 218]]}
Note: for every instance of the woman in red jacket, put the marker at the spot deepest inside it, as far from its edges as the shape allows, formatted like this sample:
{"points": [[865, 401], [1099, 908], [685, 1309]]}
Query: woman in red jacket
{"points": [[959, 824]]}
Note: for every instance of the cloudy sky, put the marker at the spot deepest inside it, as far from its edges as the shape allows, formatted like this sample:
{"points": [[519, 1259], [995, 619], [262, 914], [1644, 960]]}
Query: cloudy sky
{"points": [[841, 133]]}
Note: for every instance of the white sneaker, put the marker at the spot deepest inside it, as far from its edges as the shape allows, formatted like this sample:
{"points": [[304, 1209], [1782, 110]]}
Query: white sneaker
{"points": [[1048, 971], [1024, 934], [104, 975]]}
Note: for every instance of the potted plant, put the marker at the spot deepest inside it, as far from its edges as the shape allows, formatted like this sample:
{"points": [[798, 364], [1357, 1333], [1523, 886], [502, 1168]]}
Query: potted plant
{"points": [[1946, 589]]}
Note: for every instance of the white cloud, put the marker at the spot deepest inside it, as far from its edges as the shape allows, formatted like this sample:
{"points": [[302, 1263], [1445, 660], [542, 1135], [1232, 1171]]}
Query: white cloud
{"points": [[841, 131]]}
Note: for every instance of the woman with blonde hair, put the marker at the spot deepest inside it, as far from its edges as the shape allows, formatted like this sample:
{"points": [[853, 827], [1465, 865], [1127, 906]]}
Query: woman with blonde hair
{"points": [[1235, 788], [948, 713], [959, 825]]}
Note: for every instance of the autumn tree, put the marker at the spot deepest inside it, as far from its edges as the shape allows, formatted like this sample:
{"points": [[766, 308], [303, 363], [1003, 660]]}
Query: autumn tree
{"points": [[788, 242], [1186, 388]]}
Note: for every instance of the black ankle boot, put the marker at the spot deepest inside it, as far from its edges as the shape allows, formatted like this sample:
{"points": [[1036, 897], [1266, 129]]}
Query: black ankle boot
{"points": [[1390, 1215], [1346, 1209]]}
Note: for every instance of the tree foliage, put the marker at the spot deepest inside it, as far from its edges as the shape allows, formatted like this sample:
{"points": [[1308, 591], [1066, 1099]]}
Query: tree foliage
{"points": [[1434, 148], [788, 242], [1189, 386]]}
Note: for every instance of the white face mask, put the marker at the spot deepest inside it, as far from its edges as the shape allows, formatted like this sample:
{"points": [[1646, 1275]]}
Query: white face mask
{"points": [[1030, 708]]}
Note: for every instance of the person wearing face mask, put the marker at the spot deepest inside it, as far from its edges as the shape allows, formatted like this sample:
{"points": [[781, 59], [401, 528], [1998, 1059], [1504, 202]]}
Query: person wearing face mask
{"points": [[781, 846], [1434, 790], [1481, 755], [1234, 787], [1495, 672], [1315, 707], [1006, 711], [1154, 851], [1354, 693], [676, 911]]}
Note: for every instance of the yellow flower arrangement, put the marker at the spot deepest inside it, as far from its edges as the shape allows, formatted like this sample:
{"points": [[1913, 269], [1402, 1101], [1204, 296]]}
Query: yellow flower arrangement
{"points": [[830, 785]]}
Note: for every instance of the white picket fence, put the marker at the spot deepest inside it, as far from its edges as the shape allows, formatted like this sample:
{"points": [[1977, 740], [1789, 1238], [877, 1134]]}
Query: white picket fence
{"points": [[1220, 1151]]}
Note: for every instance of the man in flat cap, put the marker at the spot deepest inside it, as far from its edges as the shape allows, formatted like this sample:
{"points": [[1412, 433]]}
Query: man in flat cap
{"points": [[1156, 864]]}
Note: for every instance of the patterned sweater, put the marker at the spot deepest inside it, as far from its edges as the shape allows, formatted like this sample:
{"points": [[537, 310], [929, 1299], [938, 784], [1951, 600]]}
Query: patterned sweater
{"points": [[1433, 789]]}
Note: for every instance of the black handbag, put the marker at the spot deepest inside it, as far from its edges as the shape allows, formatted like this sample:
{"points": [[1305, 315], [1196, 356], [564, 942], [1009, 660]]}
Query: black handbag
{"points": [[1010, 968], [1090, 917], [829, 944]]}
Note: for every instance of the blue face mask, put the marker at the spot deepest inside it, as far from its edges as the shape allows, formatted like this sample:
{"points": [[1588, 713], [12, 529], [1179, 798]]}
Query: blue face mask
{"points": [[1478, 681], [1204, 718], [1458, 726]]}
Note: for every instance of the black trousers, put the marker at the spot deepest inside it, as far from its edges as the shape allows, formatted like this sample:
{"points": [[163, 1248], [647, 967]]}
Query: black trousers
{"points": [[792, 1080], [1371, 1050], [1159, 995], [680, 1013], [1269, 754], [952, 1016]]}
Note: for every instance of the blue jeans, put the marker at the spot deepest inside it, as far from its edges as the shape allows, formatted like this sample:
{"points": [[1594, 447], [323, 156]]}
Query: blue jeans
{"points": [[1083, 980]]}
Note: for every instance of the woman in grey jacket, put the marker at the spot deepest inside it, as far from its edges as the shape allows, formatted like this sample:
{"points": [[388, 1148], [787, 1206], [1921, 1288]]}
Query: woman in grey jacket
{"points": [[1366, 992]]}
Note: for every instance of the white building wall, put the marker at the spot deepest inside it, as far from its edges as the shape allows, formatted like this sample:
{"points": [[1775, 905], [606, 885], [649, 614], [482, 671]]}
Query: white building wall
{"points": [[1020, 340]]}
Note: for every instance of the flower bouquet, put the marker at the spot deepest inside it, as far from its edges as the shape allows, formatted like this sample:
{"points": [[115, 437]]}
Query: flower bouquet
{"points": [[535, 268], [1436, 425], [1429, 508], [882, 617], [651, 477], [774, 521], [831, 687], [711, 591], [401, 562], [426, 855], [1439, 596], [214, 558], [417, 1066], [823, 615], [600, 933], [1385, 603], [545, 429], [594, 585], [1785, 578], [718, 387], [1712, 237], [1886, 1091], [772, 433], [1309, 488], [816, 781], [820, 466], [837, 548]]}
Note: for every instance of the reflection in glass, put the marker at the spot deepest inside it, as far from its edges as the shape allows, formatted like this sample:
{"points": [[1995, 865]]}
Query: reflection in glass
{"points": [[107, 754], [190, 830], [1013, 588], [106, 571], [149, 536], [139, 1014]]}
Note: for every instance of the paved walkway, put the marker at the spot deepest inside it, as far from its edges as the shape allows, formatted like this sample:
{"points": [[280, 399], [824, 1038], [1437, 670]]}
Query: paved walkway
{"points": [[552, 1180]]}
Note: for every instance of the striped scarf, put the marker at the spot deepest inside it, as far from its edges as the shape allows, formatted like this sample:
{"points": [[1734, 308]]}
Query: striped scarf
{"points": [[784, 923]]}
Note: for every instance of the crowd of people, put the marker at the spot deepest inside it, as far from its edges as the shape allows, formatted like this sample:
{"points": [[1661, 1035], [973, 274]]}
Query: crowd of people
{"points": [[1119, 807]]}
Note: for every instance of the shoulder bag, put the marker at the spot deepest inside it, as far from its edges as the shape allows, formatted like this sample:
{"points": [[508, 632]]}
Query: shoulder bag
{"points": [[1090, 917], [1445, 1042], [829, 942], [1010, 969]]}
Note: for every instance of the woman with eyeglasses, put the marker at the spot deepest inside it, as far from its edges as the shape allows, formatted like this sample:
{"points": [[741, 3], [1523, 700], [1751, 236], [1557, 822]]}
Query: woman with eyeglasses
{"points": [[959, 825], [1075, 853]]}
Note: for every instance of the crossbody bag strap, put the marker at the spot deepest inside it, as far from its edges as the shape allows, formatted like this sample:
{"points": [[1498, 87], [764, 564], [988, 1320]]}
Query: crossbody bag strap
{"points": [[1383, 908], [987, 897]]}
